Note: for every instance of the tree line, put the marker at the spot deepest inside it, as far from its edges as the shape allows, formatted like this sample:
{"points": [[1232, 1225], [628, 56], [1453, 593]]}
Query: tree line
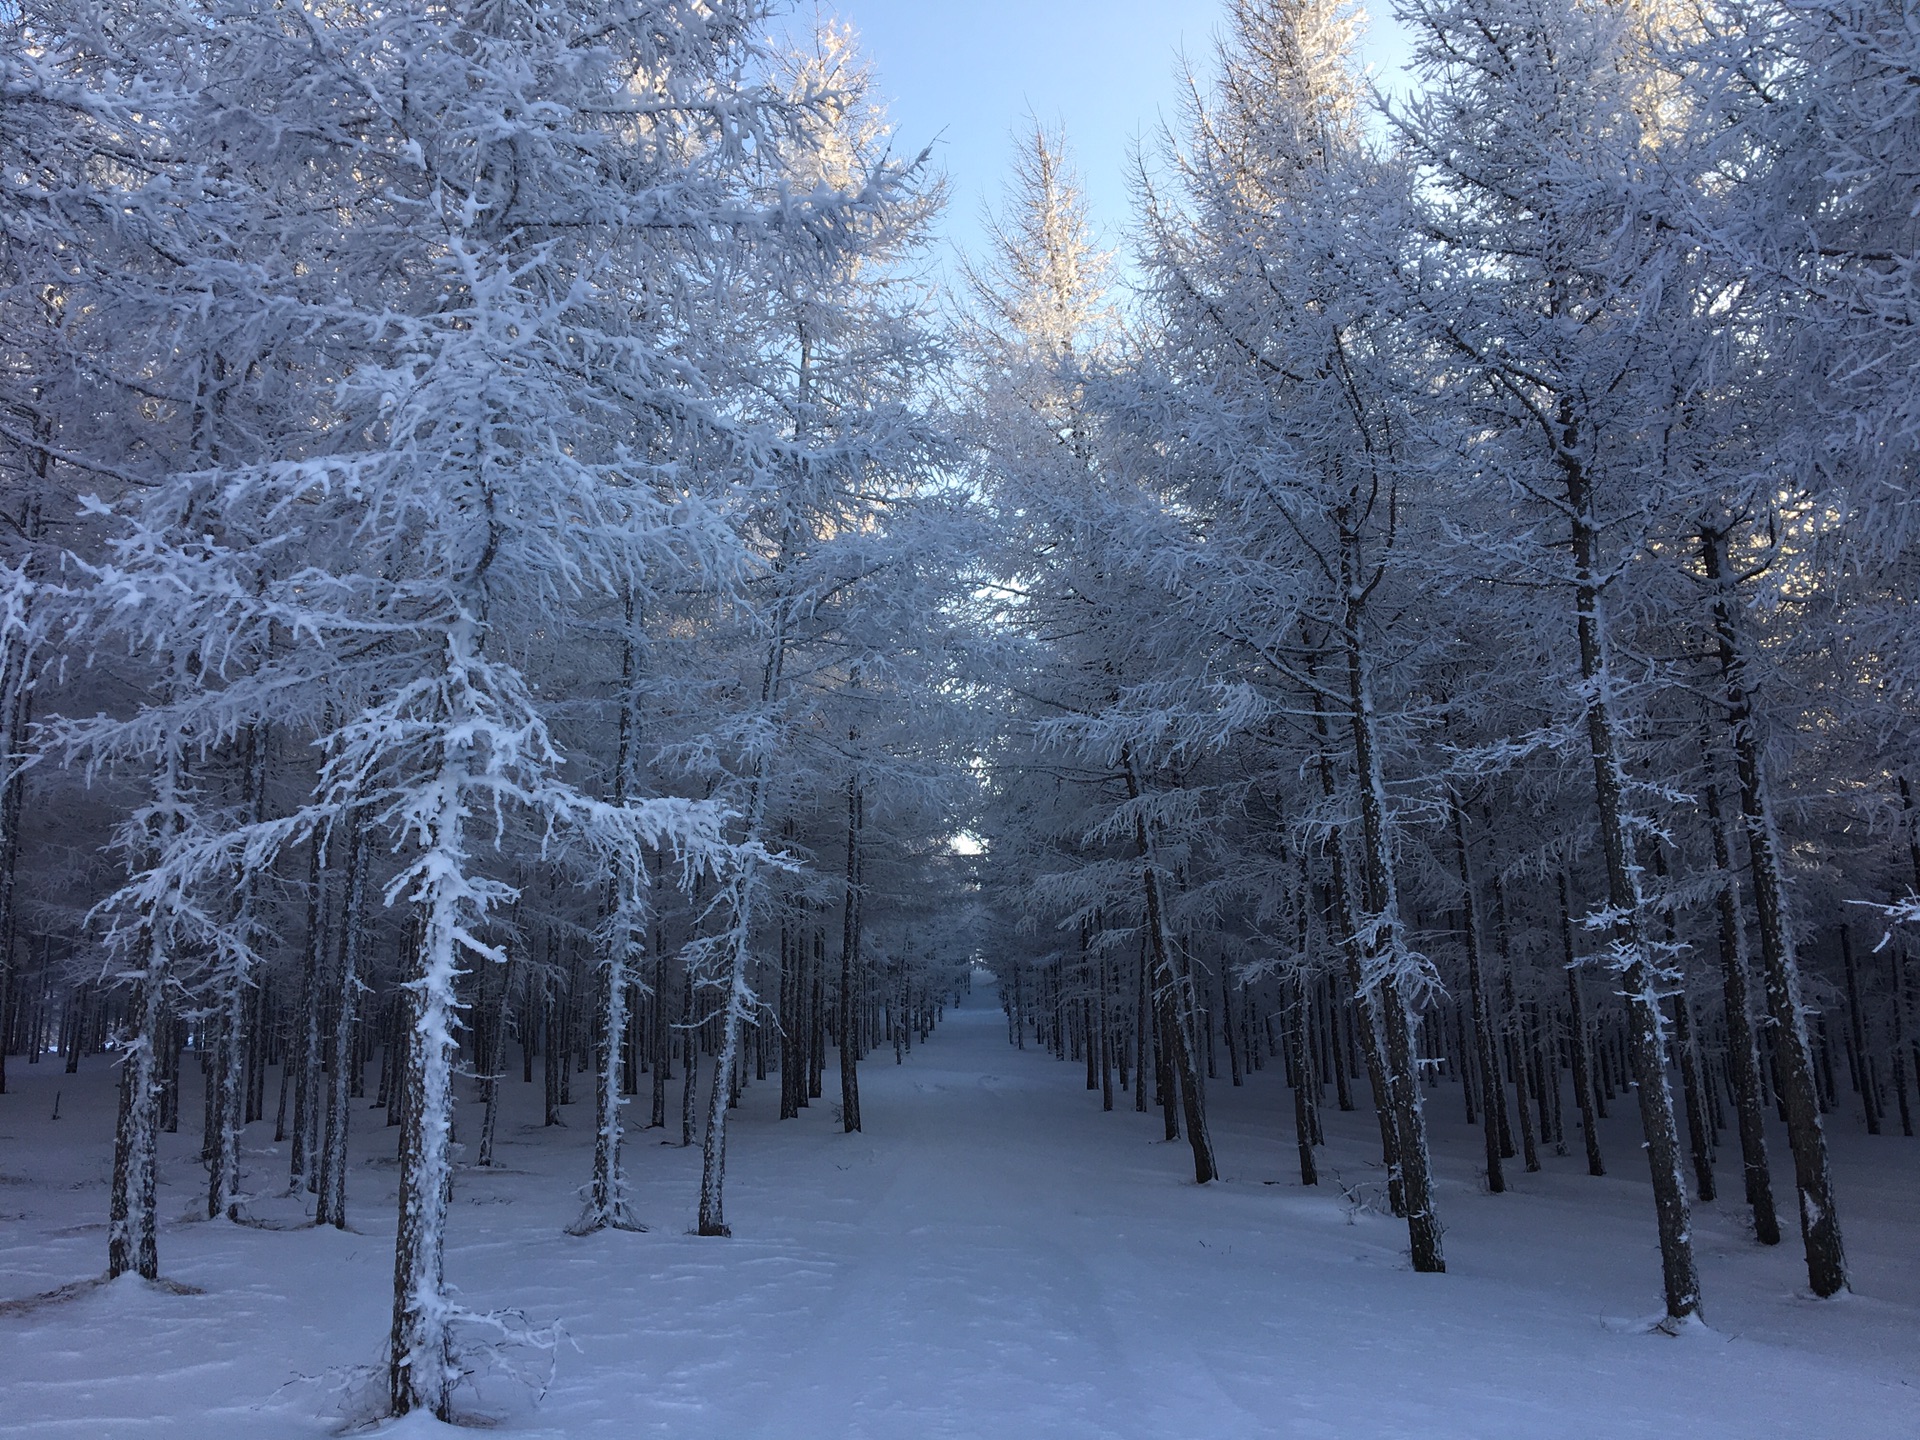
{"points": [[475, 567], [1465, 592]]}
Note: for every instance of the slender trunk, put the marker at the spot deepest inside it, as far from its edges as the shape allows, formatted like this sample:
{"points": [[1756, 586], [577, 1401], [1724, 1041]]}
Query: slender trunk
{"points": [[1518, 1036], [1813, 1176], [1338, 1039], [132, 1229], [1579, 1038], [1492, 1098], [1303, 1126], [1743, 1060], [223, 1107], [1141, 1024], [1896, 1014], [496, 1062], [553, 1046], [420, 1369], [18, 662], [1857, 1034], [690, 1060], [306, 1088], [1699, 1134], [792, 1080], [331, 1208], [740, 1005], [233, 988], [606, 1196], [173, 1040], [1105, 1022], [1387, 965], [1343, 920], [1228, 1027], [1641, 981], [627, 921], [16, 699], [850, 960], [132, 1234], [1169, 991], [662, 1040]]}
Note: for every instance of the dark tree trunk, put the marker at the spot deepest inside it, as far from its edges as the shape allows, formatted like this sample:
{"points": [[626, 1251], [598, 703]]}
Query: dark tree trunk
{"points": [[1170, 998], [1743, 1061], [1486, 1045], [1519, 1038], [1229, 1027], [1303, 1122], [661, 1036], [1342, 920], [1336, 1036], [1579, 1038], [1813, 1176], [1857, 1034], [850, 965], [1699, 1132], [1896, 1015], [1142, 1023], [1640, 980], [306, 1089], [331, 1208], [1105, 1023], [495, 1039], [690, 1061]]}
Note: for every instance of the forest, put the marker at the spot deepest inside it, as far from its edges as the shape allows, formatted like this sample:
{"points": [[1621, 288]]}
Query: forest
{"points": [[536, 595]]}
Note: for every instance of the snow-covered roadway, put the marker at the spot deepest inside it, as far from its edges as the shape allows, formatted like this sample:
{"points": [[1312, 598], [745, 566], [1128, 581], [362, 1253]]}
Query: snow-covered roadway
{"points": [[994, 1257]]}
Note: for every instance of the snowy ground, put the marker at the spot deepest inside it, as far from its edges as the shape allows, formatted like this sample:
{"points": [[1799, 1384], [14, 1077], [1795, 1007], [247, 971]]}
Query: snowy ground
{"points": [[994, 1257]]}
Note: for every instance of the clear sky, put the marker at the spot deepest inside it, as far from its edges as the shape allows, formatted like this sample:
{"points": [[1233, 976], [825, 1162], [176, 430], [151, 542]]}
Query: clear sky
{"points": [[961, 75]]}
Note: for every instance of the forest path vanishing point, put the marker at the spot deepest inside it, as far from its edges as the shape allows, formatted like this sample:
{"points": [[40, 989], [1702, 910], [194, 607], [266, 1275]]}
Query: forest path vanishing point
{"points": [[993, 1257]]}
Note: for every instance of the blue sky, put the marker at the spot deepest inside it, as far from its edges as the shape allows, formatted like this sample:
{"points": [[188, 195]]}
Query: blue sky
{"points": [[961, 75]]}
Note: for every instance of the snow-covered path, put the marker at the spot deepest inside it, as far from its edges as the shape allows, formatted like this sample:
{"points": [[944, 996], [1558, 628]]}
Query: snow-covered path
{"points": [[994, 1257]]}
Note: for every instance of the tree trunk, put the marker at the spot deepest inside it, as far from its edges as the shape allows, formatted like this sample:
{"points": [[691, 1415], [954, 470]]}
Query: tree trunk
{"points": [[331, 1208], [1169, 992], [1896, 1014], [420, 1371], [1342, 919], [1699, 1132], [1142, 1023], [1641, 980], [1857, 1034], [496, 1062], [1486, 1046], [1386, 964], [306, 1090], [740, 1005], [606, 1195], [1519, 1037], [850, 962], [662, 1038], [132, 1234], [132, 1229], [1813, 1176], [233, 989], [1303, 1126], [1743, 1060], [1105, 1022], [18, 661]]}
